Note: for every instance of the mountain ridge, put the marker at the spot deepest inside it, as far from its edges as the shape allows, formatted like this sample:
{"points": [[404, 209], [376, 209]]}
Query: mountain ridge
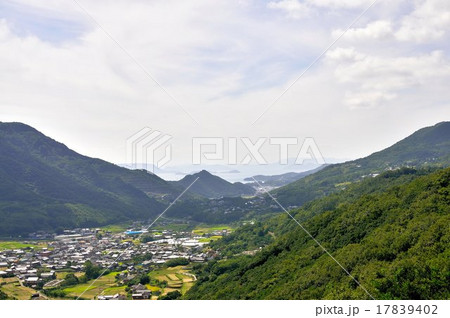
{"points": [[211, 186], [46, 185], [429, 146]]}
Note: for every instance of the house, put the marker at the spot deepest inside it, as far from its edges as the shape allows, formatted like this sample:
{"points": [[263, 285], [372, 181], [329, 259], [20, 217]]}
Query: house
{"points": [[21, 270], [48, 275], [138, 287], [30, 281], [36, 264], [197, 259], [45, 253], [141, 294]]}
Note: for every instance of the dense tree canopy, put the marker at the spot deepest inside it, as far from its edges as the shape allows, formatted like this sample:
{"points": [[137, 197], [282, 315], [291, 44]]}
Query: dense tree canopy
{"points": [[391, 232]]}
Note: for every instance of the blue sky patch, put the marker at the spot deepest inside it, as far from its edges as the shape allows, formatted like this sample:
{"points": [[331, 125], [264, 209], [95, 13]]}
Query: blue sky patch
{"points": [[25, 21]]}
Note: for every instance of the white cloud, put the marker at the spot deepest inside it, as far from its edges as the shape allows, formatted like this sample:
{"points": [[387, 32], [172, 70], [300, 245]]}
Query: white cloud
{"points": [[368, 99], [297, 9], [376, 30], [376, 79], [203, 53], [293, 8], [339, 4], [429, 21], [341, 54]]}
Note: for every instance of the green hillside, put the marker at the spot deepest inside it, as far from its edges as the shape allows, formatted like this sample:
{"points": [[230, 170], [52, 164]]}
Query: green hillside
{"points": [[45, 186], [391, 232], [211, 186], [429, 146]]}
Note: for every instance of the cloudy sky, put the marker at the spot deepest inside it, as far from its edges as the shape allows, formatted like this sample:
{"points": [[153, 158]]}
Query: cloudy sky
{"points": [[92, 73]]}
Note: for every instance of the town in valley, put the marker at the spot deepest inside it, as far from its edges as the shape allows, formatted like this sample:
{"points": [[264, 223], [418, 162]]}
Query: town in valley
{"points": [[103, 264]]}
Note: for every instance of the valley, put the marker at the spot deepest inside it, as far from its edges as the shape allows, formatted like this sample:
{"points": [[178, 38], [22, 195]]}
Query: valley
{"points": [[74, 227]]}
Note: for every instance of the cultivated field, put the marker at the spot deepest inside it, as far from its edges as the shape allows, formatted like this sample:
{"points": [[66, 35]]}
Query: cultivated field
{"points": [[177, 278], [13, 289], [98, 288], [14, 245], [200, 230]]}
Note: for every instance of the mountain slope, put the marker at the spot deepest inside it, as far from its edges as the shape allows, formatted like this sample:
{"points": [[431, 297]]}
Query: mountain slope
{"points": [[211, 186], [45, 185], [429, 146], [395, 242]]}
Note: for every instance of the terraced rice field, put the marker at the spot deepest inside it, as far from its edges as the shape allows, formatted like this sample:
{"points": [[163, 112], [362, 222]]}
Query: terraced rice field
{"points": [[102, 284], [13, 289], [177, 278]]}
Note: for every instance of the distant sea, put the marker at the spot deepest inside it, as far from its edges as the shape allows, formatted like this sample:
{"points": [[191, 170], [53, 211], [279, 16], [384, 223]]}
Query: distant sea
{"points": [[231, 173]]}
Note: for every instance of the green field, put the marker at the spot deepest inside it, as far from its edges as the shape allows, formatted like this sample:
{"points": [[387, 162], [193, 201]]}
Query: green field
{"points": [[152, 288], [7, 280], [62, 275], [204, 229], [103, 283], [13, 289], [186, 287], [115, 228], [174, 227], [114, 290], [175, 277], [14, 245], [211, 238]]}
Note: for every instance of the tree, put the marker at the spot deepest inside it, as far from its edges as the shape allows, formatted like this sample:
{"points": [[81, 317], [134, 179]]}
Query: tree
{"points": [[40, 285], [144, 279], [177, 262], [92, 271], [3, 296], [70, 280], [171, 296]]}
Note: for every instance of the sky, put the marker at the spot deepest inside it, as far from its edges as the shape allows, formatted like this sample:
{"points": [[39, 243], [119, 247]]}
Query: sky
{"points": [[91, 74]]}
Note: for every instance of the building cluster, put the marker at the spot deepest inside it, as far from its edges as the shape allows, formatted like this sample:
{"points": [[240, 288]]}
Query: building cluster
{"points": [[116, 251]]}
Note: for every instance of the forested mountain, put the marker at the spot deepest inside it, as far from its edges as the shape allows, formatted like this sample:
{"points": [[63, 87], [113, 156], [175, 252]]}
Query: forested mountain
{"points": [[45, 185], [392, 233], [211, 186], [429, 146]]}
